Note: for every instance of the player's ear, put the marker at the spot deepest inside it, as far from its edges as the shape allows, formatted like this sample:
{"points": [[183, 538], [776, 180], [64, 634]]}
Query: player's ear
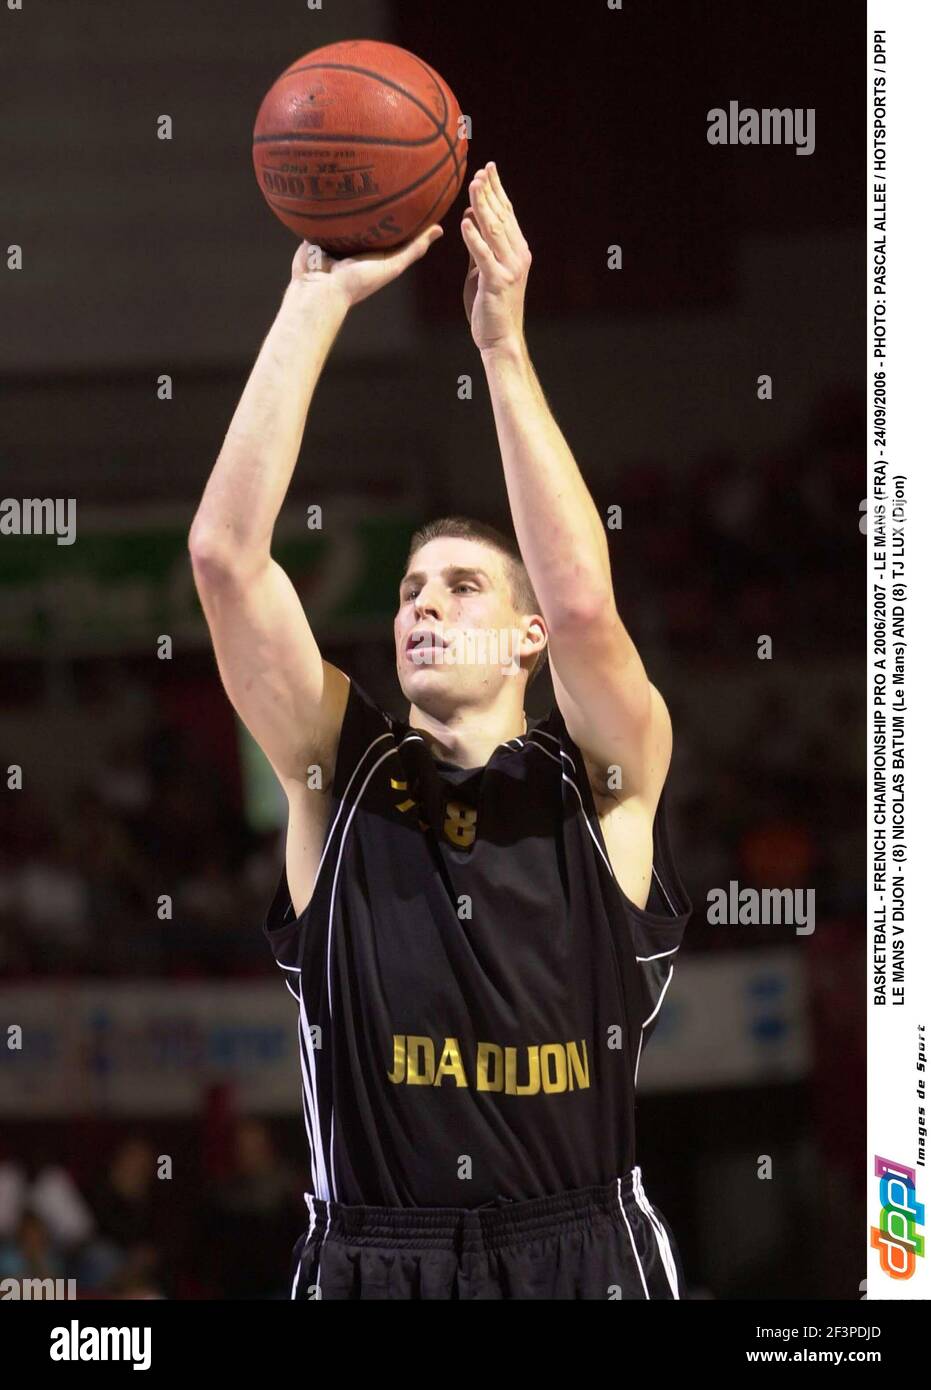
{"points": [[535, 635], [535, 645]]}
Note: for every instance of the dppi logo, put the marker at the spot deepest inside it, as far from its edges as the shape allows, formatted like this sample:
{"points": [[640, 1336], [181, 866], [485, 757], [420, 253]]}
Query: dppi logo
{"points": [[896, 1237]]}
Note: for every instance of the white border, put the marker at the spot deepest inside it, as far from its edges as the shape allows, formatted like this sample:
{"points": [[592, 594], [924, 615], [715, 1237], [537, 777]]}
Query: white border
{"points": [[893, 1031]]}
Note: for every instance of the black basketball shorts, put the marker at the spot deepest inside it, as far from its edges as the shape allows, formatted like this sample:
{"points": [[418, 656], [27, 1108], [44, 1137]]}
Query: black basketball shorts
{"points": [[595, 1242]]}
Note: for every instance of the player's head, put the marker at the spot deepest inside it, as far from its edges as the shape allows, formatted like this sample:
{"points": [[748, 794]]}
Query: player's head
{"points": [[468, 629]]}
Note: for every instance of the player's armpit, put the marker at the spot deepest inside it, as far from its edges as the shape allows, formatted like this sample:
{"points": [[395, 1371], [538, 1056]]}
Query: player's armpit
{"points": [[614, 715], [288, 697]]}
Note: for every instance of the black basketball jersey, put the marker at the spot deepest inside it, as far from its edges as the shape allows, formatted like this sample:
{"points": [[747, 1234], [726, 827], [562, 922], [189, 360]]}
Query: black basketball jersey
{"points": [[474, 988]]}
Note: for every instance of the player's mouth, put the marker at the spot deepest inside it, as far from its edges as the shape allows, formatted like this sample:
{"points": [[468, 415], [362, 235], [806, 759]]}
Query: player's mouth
{"points": [[425, 647]]}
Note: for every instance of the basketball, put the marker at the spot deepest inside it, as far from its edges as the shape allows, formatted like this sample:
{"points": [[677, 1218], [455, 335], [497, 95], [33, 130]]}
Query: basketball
{"points": [[358, 147]]}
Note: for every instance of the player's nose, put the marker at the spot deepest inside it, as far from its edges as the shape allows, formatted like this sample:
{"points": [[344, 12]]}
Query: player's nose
{"points": [[429, 601]]}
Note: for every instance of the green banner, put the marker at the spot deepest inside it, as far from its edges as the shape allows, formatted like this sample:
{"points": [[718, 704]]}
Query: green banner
{"points": [[126, 580]]}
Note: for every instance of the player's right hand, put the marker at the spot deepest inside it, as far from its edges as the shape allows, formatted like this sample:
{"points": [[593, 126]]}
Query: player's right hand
{"points": [[354, 278]]}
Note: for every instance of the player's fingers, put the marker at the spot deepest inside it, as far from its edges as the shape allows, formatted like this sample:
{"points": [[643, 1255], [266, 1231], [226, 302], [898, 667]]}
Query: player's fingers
{"points": [[498, 186], [310, 257], [502, 202], [468, 215], [407, 255], [496, 201], [487, 210], [479, 250], [494, 204], [510, 243], [489, 222], [420, 245]]}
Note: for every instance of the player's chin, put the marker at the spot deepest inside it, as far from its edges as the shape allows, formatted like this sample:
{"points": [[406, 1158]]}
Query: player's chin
{"points": [[418, 678]]}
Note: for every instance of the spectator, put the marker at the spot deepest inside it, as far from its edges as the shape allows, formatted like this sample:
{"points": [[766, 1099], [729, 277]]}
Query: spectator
{"points": [[253, 1219]]}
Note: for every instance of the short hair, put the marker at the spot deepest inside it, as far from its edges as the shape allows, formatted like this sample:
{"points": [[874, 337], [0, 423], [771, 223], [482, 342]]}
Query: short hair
{"points": [[467, 529]]}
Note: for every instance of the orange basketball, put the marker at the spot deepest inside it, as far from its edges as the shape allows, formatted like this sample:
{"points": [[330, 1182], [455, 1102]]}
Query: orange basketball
{"points": [[358, 147]]}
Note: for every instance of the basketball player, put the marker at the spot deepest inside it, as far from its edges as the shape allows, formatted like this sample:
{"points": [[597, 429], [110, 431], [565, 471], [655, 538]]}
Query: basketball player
{"points": [[477, 920]]}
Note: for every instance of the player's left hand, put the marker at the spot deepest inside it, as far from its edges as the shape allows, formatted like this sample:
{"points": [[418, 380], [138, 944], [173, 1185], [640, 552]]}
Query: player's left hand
{"points": [[499, 264]]}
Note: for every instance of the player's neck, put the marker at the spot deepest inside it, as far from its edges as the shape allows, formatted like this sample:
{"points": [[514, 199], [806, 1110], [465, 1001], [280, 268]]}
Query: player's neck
{"points": [[470, 736]]}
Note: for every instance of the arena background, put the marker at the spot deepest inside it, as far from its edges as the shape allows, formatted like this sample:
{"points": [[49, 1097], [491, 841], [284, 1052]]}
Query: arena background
{"points": [[142, 257]]}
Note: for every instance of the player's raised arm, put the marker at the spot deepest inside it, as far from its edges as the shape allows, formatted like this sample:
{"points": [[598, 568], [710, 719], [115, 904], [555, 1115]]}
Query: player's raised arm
{"points": [[289, 698], [612, 712]]}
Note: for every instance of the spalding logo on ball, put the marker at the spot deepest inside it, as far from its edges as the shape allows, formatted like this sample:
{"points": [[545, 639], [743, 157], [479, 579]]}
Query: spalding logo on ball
{"points": [[358, 147]]}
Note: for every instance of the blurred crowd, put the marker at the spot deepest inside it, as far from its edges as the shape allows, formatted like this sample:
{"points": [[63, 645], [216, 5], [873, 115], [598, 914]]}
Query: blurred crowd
{"points": [[726, 551], [144, 875], [120, 1228]]}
